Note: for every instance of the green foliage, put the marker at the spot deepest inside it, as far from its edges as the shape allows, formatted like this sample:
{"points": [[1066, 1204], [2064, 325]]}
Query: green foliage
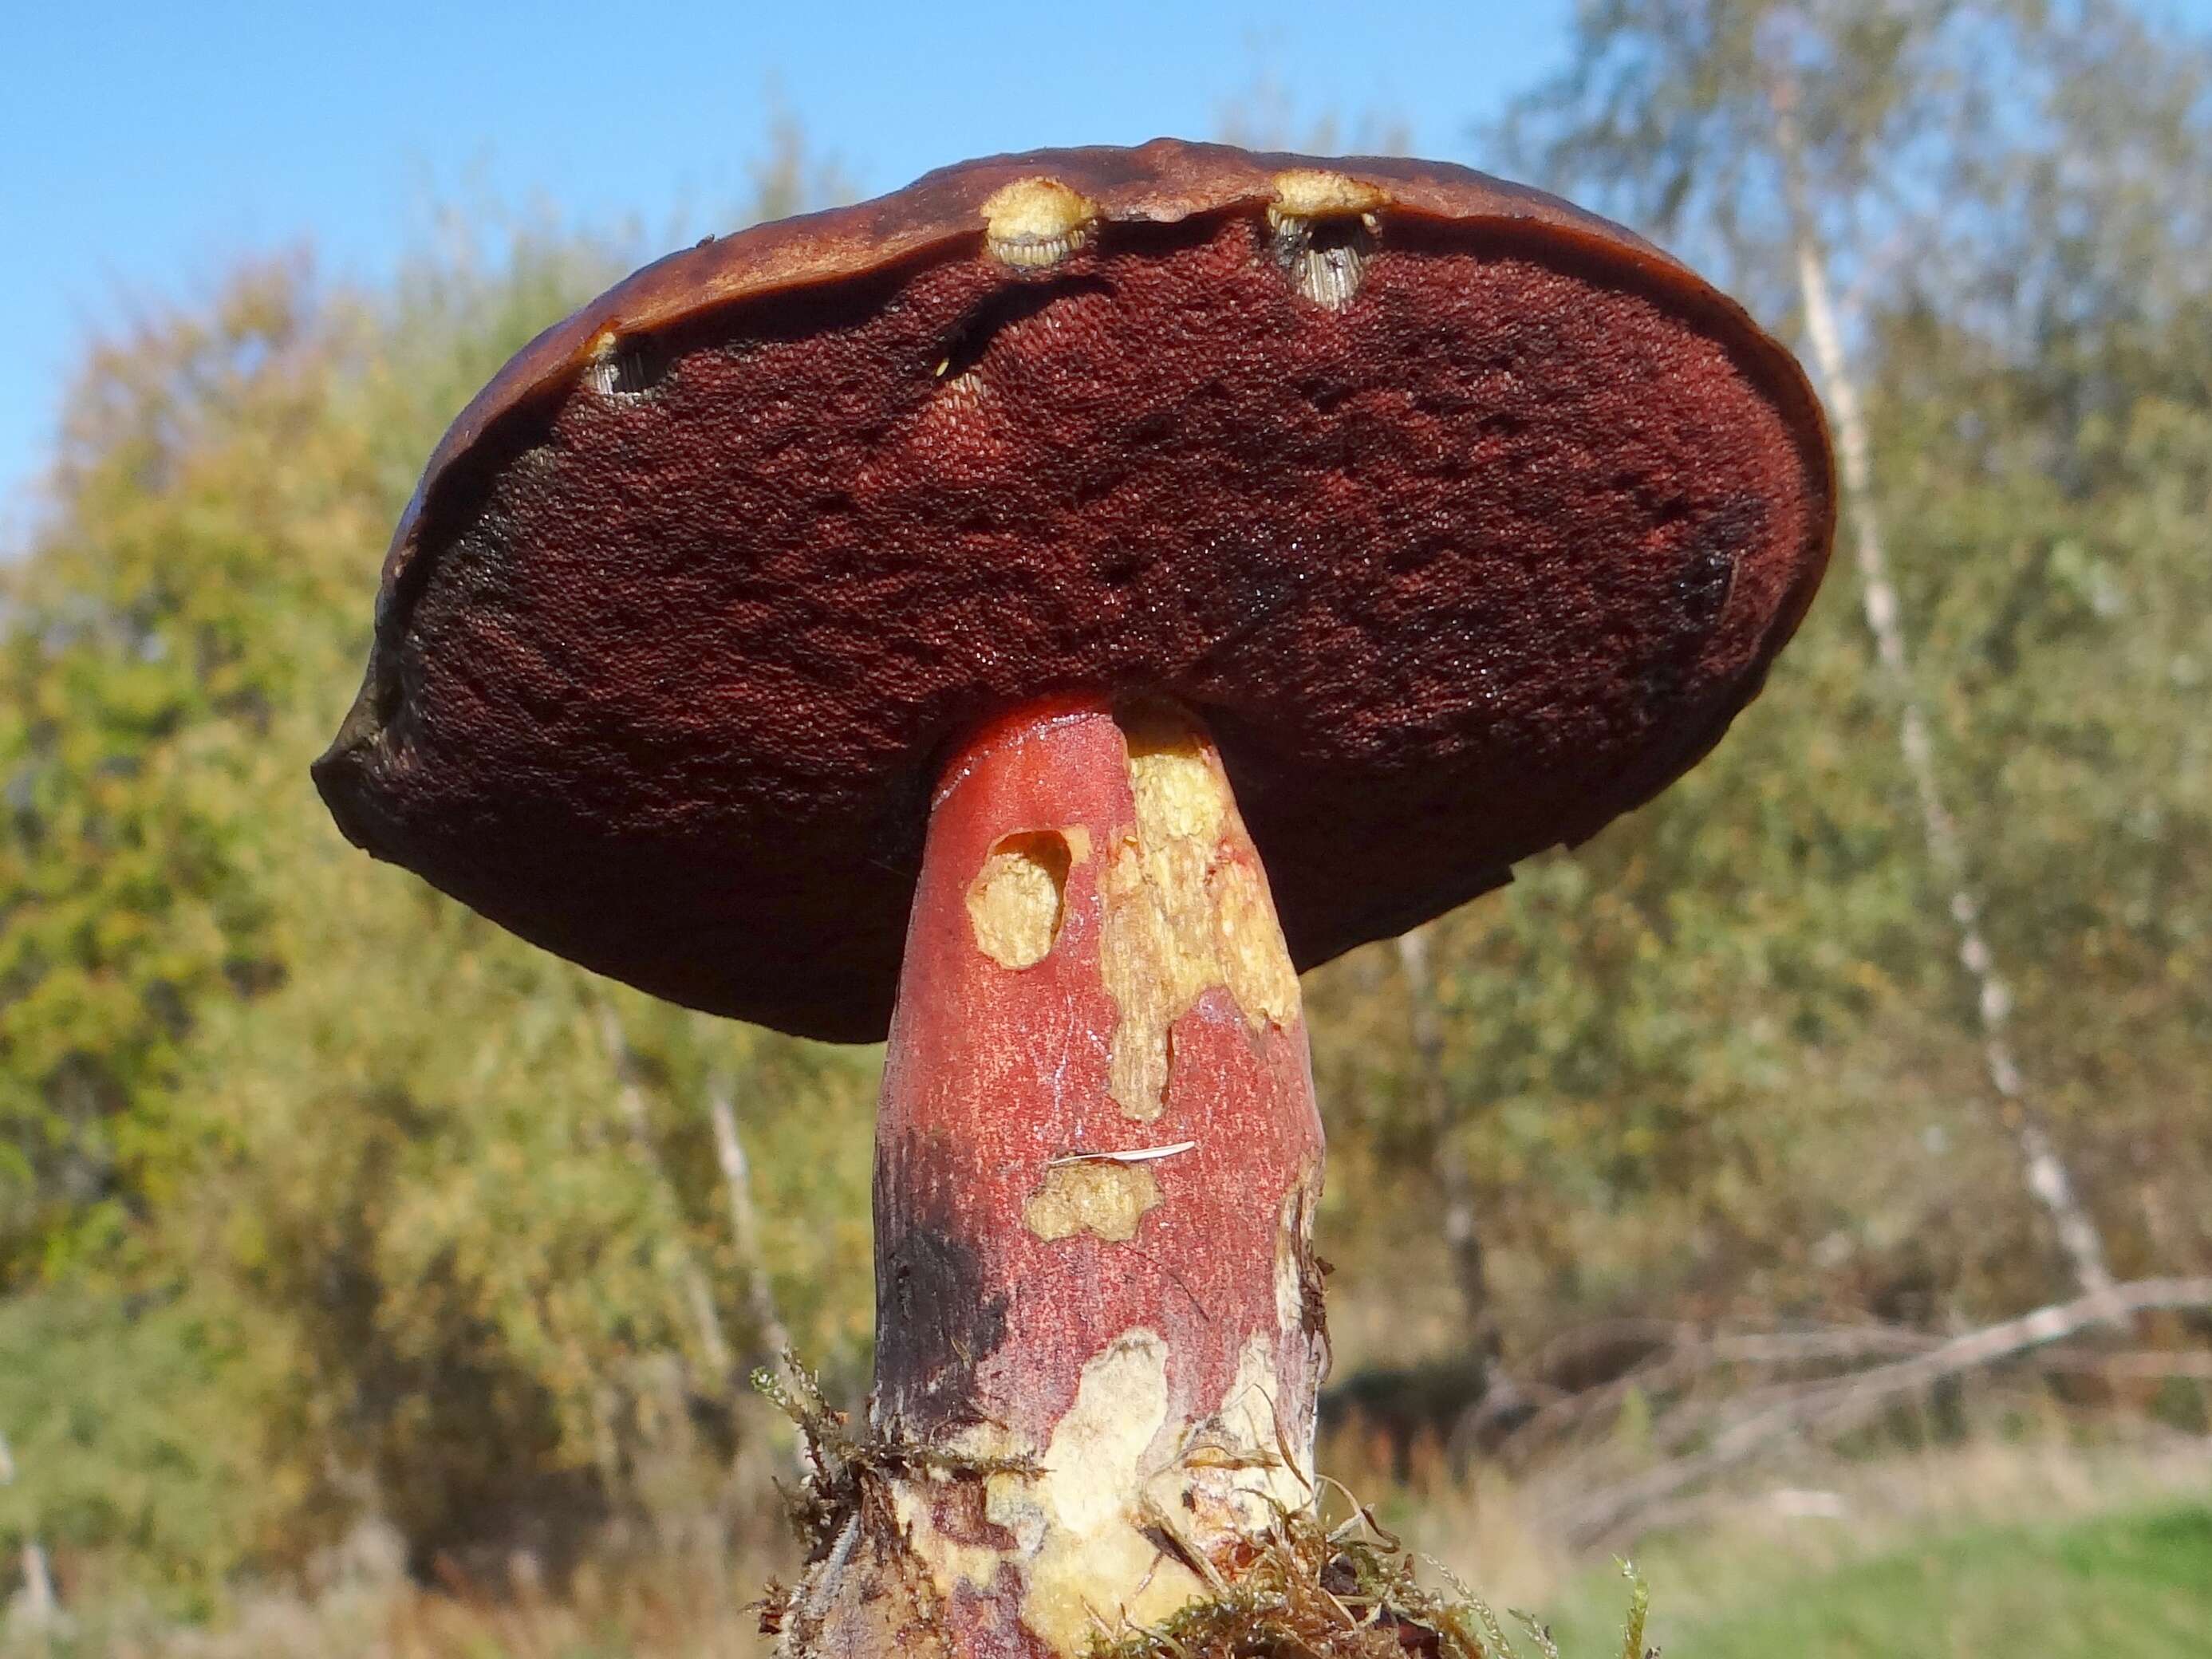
{"points": [[1722, 1057], [387, 1138], [122, 1432], [139, 668]]}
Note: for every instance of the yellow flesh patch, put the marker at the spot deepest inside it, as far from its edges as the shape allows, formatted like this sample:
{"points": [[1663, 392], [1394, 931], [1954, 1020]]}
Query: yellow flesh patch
{"points": [[1014, 904], [1099, 1197], [1091, 1567], [1083, 1528], [1180, 918]]}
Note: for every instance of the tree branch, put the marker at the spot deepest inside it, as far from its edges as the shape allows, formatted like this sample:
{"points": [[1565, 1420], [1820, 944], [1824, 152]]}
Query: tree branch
{"points": [[691, 1281], [745, 1228], [1844, 1401]]}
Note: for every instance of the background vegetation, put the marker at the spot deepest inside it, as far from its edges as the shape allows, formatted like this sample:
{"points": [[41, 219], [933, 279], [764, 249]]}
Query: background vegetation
{"points": [[344, 1238]]}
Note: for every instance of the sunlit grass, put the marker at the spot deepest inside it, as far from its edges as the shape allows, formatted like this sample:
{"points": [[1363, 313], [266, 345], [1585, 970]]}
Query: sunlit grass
{"points": [[2132, 1583], [2129, 1586]]}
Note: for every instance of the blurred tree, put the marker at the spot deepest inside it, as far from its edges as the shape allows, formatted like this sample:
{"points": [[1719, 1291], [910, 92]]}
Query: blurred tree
{"points": [[2008, 186], [459, 1254], [151, 640]]}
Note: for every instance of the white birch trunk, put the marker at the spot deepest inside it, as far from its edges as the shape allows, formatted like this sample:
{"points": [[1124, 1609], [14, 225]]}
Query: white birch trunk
{"points": [[2047, 1177], [744, 1227], [1462, 1226], [691, 1282], [35, 1605]]}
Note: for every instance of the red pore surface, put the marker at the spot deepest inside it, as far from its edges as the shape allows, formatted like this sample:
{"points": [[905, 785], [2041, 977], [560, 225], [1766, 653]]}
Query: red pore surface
{"points": [[1456, 571]]}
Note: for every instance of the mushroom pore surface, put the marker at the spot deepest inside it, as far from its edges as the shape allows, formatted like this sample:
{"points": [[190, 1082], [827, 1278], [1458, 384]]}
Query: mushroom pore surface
{"points": [[1460, 548]]}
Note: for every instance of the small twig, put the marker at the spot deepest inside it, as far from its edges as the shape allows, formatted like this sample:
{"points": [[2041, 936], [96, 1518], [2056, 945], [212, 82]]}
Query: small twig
{"points": [[774, 1335], [1168, 1538], [1683, 1354], [2152, 1365]]}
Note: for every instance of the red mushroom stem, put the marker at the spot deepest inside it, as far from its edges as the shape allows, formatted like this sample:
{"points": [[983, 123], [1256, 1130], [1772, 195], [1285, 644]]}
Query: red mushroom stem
{"points": [[1098, 1319]]}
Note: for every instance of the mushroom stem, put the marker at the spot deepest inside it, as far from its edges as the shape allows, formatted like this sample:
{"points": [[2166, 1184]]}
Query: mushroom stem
{"points": [[1098, 1324]]}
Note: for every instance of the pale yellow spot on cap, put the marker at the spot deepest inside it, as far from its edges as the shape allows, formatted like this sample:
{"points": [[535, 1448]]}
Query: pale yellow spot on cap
{"points": [[1037, 223], [1313, 193]]}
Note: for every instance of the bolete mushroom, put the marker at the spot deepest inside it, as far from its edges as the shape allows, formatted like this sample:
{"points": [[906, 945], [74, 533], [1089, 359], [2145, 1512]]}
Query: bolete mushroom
{"points": [[933, 568]]}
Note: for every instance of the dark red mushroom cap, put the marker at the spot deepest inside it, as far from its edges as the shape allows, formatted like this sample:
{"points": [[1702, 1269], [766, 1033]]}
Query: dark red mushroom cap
{"points": [[1466, 520]]}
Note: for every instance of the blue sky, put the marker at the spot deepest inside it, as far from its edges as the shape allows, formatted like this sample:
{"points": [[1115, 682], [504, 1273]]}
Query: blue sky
{"points": [[149, 146]]}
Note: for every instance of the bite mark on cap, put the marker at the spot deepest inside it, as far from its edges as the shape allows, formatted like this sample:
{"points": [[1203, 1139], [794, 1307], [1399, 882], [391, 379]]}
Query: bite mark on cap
{"points": [[622, 365], [1324, 227], [1033, 224]]}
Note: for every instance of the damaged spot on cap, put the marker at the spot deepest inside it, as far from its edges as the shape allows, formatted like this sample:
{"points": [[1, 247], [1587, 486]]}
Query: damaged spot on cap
{"points": [[1017, 901], [1324, 227], [622, 364], [1327, 262], [1101, 1198], [1316, 193], [1033, 224]]}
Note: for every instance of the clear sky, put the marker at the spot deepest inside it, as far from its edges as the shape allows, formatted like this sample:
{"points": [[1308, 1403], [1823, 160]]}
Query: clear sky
{"points": [[147, 144]]}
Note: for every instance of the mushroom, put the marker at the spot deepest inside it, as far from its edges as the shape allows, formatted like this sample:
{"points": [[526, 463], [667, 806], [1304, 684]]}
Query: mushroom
{"points": [[1070, 565]]}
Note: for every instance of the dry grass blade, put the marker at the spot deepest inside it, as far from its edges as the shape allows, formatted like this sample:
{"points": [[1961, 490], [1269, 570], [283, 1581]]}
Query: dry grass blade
{"points": [[1538, 1633], [1639, 1609]]}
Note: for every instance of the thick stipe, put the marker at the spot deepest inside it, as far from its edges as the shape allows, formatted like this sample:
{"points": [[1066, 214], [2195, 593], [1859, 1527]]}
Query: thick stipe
{"points": [[1111, 1280]]}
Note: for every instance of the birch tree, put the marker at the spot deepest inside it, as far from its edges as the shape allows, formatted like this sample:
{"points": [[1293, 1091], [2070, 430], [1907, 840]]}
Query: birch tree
{"points": [[1821, 152], [2045, 1170], [1461, 1220]]}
